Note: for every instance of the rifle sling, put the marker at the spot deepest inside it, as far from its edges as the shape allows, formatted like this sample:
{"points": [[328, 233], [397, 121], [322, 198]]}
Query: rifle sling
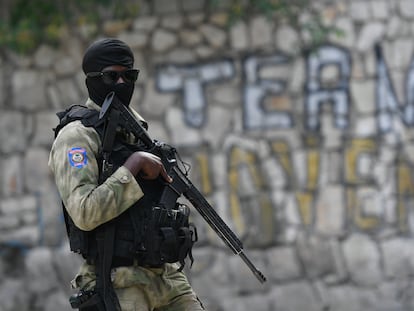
{"points": [[106, 235]]}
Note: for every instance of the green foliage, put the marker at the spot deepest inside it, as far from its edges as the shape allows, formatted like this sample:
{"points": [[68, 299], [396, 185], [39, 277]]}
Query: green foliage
{"points": [[285, 11], [30, 22]]}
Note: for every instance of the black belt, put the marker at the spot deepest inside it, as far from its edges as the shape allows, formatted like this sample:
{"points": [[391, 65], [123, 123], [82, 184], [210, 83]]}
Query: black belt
{"points": [[125, 262]]}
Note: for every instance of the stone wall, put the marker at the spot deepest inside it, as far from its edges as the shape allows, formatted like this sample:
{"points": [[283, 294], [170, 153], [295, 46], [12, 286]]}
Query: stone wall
{"points": [[307, 156]]}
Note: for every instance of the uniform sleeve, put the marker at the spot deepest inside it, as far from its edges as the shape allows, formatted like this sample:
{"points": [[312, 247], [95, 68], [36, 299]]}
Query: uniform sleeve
{"points": [[73, 162]]}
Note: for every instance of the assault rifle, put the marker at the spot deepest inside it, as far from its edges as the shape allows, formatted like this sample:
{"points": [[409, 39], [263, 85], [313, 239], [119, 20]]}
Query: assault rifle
{"points": [[180, 185]]}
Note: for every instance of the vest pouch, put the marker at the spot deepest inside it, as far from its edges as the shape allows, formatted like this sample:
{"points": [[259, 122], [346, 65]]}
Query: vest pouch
{"points": [[169, 245], [78, 239], [78, 242]]}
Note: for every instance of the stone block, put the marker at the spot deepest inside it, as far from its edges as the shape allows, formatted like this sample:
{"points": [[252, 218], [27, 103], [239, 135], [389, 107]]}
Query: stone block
{"points": [[173, 22], [66, 65], [241, 277], [157, 131], [28, 89], [41, 276], [370, 34], [363, 96], [190, 37], [222, 4], [246, 303], [181, 133], [24, 237], [365, 126], [45, 56], [29, 218], [330, 132], [330, 211], [195, 19], [209, 275], [145, 23], [53, 97], [136, 40], [401, 266], [399, 53], [163, 40], [347, 36], [227, 95], [55, 300], [297, 77], [204, 52], [66, 94], [9, 222], [407, 8], [394, 27], [12, 179], [44, 123], [275, 173], [360, 10], [287, 39], [36, 170], [12, 132], [239, 38], [67, 264], [17, 205], [354, 298], [181, 56], [220, 19], [261, 32], [193, 5], [362, 259], [217, 126], [284, 265], [298, 296], [370, 200], [112, 28], [155, 103], [2, 87], [13, 295], [166, 6], [215, 36], [316, 255], [380, 9]]}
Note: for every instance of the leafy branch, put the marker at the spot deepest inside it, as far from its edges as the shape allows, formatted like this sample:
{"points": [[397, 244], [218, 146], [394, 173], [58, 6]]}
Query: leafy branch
{"points": [[30, 22], [27, 23], [300, 14]]}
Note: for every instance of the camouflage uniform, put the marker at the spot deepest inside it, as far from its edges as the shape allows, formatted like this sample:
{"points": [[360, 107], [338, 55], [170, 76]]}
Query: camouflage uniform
{"points": [[90, 205]]}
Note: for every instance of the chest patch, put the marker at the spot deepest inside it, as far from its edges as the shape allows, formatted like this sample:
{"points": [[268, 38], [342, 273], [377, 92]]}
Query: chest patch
{"points": [[77, 157]]}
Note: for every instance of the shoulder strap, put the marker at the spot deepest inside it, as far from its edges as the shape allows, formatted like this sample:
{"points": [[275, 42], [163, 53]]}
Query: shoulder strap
{"points": [[89, 117]]}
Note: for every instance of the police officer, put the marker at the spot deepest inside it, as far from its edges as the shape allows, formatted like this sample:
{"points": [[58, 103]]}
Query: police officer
{"points": [[91, 204]]}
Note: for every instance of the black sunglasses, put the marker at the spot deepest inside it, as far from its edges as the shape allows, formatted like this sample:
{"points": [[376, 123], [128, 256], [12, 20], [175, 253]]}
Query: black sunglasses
{"points": [[111, 76]]}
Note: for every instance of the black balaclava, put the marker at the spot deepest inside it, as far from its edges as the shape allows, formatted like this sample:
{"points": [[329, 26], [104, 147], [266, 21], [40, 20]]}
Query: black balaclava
{"points": [[101, 54]]}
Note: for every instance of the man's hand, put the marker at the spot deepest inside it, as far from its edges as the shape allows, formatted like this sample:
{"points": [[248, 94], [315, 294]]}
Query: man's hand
{"points": [[147, 165]]}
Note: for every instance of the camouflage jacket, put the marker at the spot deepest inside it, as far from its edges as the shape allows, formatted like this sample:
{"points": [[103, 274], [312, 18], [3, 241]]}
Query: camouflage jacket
{"points": [[73, 162]]}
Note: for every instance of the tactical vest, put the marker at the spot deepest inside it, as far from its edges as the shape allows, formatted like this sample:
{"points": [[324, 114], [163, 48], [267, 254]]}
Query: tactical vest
{"points": [[145, 234]]}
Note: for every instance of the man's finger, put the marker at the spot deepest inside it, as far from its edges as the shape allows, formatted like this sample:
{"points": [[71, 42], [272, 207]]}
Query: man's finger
{"points": [[165, 175]]}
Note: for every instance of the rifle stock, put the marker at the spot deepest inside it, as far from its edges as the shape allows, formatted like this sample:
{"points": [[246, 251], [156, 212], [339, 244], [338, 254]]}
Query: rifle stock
{"points": [[181, 185]]}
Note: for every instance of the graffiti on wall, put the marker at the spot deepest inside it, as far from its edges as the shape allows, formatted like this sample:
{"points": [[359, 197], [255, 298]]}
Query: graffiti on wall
{"points": [[256, 114], [317, 94], [250, 197], [191, 81], [372, 182]]}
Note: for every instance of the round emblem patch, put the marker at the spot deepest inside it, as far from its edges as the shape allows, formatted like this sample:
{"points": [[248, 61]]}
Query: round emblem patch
{"points": [[77, 157]]}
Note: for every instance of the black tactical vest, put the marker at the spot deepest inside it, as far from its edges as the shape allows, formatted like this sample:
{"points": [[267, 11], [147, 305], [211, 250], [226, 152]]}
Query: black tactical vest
{"points": [[147, 234]]}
